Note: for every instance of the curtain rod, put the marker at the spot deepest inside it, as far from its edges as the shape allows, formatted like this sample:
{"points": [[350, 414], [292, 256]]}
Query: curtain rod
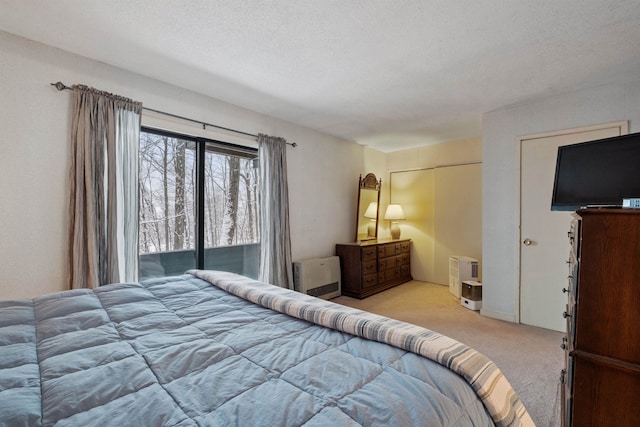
{"points": [[446, 165], [61, 86]]}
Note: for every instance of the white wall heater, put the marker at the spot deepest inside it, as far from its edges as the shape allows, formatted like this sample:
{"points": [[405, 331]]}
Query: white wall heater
{"points": [[461, 268], [319, 277]]}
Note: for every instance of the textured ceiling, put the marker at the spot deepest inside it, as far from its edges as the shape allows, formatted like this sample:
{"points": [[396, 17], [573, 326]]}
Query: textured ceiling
{"points": [[390, 74]]}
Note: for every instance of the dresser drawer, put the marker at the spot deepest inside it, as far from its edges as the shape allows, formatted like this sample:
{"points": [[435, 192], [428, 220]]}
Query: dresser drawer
{"points": [[369, 281], [389, 249], [382, 251], [394, 261], [385, 276], [405, 271], [405, 259], [369, 253], [369, 267]]}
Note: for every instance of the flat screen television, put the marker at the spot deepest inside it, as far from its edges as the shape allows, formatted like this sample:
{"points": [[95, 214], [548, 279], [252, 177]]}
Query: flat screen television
{"points": [[597, 173]]}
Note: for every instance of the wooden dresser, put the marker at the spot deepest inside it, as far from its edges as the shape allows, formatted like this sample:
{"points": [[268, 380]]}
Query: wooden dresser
{"points": [[372, 266], [602, 348]]}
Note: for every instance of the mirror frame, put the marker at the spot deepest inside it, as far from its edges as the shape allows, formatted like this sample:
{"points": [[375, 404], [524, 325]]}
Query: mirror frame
{"points": [[369, 182]]}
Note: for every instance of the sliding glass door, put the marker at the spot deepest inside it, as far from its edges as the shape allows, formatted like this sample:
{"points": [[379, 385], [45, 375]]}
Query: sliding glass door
{"points": [[198, 205]]}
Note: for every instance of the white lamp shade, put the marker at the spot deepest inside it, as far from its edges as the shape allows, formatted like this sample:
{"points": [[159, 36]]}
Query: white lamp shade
{"points": [[394, 212], [372, 211]]}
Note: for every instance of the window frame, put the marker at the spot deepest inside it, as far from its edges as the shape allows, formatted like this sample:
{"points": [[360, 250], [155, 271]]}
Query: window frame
{"points": [[202, 146]]}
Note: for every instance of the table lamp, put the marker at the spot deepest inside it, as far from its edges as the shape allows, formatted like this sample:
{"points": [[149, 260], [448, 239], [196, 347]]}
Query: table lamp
{"points": [[394, 213]]}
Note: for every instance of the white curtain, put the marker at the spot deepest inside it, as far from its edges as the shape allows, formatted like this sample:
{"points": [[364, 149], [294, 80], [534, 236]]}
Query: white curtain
{"points": [[103, 242], [275, 238], [127, 145]]}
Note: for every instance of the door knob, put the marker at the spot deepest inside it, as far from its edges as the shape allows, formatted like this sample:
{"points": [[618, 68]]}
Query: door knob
{"points": [[527, 242]]}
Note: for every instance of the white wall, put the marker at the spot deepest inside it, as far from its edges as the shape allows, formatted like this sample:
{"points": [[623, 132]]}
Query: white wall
{"points": [[501, 128], [35, 147]]}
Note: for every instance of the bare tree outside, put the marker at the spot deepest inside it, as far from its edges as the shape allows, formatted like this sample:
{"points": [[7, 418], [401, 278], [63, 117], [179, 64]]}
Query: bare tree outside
{"points": [[167, 182], [230, 219], [180, 228]]}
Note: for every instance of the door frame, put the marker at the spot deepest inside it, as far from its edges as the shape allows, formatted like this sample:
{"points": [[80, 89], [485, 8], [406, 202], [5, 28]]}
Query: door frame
{"points": [[623, 125]]}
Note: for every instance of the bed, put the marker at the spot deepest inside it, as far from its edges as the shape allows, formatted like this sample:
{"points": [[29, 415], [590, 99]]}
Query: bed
{"points": [[212, 348]]}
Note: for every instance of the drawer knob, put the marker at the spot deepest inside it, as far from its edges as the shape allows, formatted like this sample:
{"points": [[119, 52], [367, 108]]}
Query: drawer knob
{"points": [[565, 315], [564, 343], [565, 290]]}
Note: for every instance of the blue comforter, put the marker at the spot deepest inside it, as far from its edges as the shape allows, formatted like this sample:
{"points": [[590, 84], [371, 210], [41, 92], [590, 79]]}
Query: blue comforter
{"points": [[180, 352]]}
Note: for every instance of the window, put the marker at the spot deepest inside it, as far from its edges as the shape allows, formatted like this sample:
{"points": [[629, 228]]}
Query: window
{"points": [[198, 205]]}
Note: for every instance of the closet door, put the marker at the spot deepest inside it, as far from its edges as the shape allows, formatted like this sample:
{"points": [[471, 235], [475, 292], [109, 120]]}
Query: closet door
{"points": [[443, 206], [458, 216]]}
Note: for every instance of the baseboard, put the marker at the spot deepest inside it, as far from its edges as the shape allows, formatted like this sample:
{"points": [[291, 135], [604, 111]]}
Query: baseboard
{"points": [[507, 317]]}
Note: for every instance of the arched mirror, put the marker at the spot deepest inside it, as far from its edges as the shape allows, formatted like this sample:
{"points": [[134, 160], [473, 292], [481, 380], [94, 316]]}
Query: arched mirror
{"points": [[368, 207]]}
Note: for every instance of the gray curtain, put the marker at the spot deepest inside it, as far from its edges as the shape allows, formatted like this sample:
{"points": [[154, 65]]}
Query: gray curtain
{"points": [[103, 241], [275, 238]]}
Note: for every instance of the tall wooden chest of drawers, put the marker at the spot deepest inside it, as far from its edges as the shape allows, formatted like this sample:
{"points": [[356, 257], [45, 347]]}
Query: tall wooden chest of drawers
{"points": [[602, 373], [373, 266]]}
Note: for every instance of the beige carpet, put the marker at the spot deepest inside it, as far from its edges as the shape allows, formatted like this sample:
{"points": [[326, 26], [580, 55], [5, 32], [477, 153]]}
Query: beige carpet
{"points": [[530, 357]]}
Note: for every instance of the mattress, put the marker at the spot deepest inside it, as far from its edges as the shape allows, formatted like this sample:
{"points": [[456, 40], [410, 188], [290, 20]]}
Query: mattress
{"points": [[217, 349]]}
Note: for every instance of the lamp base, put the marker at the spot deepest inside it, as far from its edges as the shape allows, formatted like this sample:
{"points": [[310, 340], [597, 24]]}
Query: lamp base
{"points": [[371, 228], [395, 231]]}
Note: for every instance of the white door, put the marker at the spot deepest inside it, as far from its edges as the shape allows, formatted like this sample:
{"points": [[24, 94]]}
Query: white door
{"points": [[544, 246]]}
